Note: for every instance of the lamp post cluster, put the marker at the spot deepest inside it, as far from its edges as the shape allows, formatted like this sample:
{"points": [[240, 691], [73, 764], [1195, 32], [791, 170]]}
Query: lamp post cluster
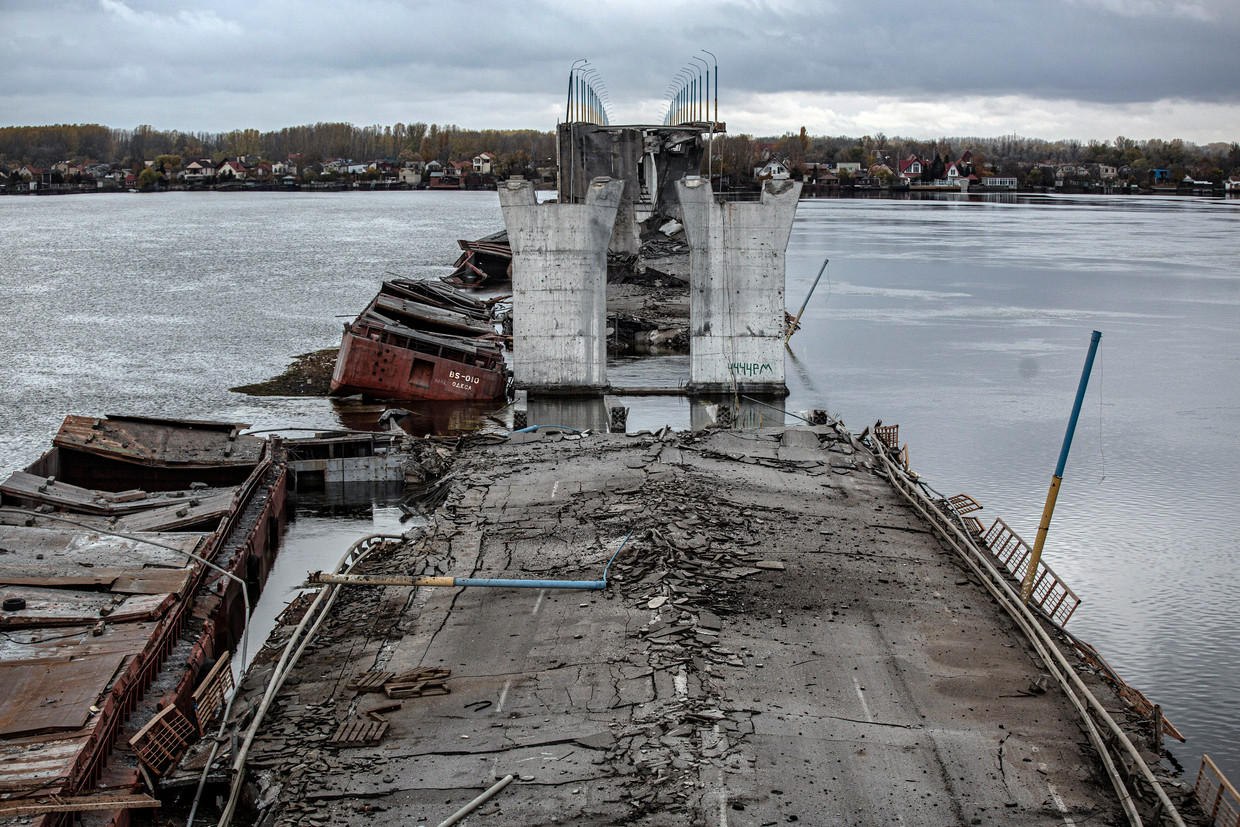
{"points": [[587, 95], [689, 93]]}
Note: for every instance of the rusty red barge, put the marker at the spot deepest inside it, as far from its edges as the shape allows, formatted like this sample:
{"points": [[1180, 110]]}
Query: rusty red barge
{"points": [[101, 592], [422, 340]]}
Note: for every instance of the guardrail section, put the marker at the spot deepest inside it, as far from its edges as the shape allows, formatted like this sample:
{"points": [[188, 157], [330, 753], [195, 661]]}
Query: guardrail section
{"points": [[1050, 593], [1218, 798]]}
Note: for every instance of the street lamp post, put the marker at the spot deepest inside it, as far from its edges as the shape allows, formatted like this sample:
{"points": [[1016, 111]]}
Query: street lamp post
{"points": [[710, 170], [568, 110], [706, 89]]}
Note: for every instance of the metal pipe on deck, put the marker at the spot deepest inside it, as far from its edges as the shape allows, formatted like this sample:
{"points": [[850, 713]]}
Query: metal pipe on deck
{"points": [[477, 802], [319, 578], [1026, 587]]}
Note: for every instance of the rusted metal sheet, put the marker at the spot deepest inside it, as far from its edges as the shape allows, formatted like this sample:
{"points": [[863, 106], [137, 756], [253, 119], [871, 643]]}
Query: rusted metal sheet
{"points": [[53, 694], [33, 491], [157, 442], [425, 317], [435, 294], [117, 581], [45, 767], [66, 607], [61, 550]]}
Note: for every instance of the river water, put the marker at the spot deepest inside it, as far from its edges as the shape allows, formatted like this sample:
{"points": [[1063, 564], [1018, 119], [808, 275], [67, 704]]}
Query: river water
{"points": [[966, 321]]}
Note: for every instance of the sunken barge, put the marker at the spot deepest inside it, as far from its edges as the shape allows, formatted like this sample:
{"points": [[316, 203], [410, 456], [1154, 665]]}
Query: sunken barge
{"points": [[486, 262], [422, 340], [128, 553]]}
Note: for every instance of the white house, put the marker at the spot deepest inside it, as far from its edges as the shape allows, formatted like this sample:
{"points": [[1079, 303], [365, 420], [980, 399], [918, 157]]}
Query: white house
{"points": [[195, 172], [484, 163], [1232, 184], [774, 170]]}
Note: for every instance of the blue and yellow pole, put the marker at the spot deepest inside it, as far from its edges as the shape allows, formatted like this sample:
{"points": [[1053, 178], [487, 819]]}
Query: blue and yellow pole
{"points": [[1026, 586]]}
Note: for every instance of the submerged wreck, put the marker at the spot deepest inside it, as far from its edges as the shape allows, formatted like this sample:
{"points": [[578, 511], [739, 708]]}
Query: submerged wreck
{"points": [[486, 262], [123, 555], [422, 340]]}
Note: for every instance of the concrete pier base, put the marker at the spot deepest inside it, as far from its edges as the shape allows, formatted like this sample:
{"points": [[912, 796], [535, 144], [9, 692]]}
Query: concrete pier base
{"points": [[581, 413], [736, 293], [559, 281]]}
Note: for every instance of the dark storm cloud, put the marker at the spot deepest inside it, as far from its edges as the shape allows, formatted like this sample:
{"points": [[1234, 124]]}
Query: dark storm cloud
{"points": [[268, 63]]}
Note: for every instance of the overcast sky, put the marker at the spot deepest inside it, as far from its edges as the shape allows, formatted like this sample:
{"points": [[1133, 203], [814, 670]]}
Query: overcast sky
{"points": [[914, 68]]}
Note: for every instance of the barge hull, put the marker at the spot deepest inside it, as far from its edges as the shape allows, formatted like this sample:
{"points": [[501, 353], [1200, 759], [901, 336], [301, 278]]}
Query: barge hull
{"points": [[379, 369]]}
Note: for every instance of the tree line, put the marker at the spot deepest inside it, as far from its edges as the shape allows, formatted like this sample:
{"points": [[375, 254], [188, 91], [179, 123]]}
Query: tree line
{"points": [[734, 155], [42, 146]]}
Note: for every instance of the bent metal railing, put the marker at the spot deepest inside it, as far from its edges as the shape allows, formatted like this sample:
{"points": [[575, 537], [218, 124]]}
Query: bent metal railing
{"points": [[1217, 797], [1050, 593]]}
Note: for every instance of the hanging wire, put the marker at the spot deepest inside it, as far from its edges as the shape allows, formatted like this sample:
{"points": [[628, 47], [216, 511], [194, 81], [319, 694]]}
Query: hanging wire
{"points": [[1101, 452]]}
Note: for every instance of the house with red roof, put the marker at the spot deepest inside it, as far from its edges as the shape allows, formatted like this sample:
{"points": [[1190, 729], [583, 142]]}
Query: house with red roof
{"points": [[231, 169]]}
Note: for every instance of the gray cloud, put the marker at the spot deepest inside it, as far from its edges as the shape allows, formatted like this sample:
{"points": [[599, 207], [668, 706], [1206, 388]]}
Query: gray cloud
{"points": [[270, 63]]}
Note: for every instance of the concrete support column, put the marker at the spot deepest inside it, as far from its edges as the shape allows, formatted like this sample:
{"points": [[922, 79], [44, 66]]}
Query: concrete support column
{"points": [[559, 284], [736, 291]]}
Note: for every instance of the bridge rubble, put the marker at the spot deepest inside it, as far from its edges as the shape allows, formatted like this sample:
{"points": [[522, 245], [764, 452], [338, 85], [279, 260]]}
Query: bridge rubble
{"points": [[782, 638]]}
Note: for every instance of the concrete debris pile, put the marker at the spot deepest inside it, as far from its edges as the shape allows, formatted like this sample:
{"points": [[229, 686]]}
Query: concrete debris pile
{"points": [[648, 298], [781, 639], [657, 244]]}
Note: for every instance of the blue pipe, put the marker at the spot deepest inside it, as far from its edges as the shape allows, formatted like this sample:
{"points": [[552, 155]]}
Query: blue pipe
{"points": [[533, 428], [530, 584], [1076, 406]]}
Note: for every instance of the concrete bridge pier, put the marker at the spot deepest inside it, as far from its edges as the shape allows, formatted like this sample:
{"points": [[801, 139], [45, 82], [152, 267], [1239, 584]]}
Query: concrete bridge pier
{"points": [[736, 292], [559, 282]]}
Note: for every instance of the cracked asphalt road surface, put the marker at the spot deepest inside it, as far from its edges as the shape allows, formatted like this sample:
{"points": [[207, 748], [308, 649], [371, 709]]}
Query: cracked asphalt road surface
{"points": [[781, 640]]}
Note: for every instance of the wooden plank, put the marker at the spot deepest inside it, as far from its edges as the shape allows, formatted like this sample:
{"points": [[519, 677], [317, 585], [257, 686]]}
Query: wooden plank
{"points": [[41, 805]]}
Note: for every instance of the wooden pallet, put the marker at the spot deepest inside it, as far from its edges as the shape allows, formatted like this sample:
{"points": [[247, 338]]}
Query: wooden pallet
{"points": [[370, 681], [415, 684], [416, 689], [359, 733]]}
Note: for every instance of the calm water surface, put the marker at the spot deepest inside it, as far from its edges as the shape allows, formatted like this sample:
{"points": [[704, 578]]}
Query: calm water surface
{"points": [[964, 321]]}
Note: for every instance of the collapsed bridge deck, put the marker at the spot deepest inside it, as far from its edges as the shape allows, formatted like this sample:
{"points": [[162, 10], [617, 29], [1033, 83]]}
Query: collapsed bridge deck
{"points": [[781, 637]]}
